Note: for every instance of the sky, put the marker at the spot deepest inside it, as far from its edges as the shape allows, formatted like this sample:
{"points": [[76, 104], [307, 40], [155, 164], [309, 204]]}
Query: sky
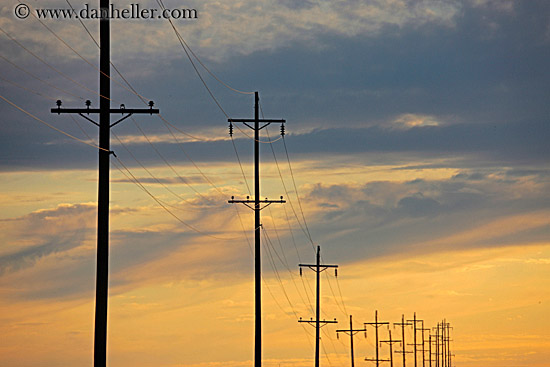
{"points": [[416, 155]]}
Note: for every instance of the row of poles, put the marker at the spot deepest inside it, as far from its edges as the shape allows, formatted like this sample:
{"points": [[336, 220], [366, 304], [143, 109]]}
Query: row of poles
{"points": [[104, 112], [433, 350]]}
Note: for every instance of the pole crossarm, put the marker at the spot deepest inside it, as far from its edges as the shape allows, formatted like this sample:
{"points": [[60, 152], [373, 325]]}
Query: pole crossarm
{"points": [[317, 267], [248, 201], [126, 112], [87, 111], [256, 126], [314, 322]]}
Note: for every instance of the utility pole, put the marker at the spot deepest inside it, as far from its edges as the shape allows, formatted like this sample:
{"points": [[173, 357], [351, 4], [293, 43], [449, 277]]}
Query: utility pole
{"points": [[438, 345], [430, 348], [376, 325], [403, 344], [443, 344], [415, 344], [447, 341], [104, 111], [390, 341], [351, 332], [257, 223], [318, 268], [423, 330]]}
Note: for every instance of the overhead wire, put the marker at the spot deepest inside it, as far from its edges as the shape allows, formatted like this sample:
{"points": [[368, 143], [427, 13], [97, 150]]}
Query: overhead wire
{"points": [[51, 126], [39, 79], [164, 159], [199, 60], [268, 245], [285, 263], [157, 179], [27, 89], [161, 204], [48, 65], [82, 57], [286, 191]]}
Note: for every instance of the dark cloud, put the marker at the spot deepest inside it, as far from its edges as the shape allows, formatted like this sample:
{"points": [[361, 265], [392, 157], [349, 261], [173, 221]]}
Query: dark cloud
{"points": [[488, 89]]}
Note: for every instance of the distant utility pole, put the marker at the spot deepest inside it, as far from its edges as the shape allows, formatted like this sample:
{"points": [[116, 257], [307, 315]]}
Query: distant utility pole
{"points": [[403, 344], [351, 332], [422, 329], [390, 341], [430, 348], [376, 325], [415, 344], [437, 337], [447, 342], [318, 268], [440, 346], [258, 205], [104, 111]]}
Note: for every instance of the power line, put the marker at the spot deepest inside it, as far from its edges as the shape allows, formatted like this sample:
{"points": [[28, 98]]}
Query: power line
{"points": [[49, 66], [26, 89], [39, 79], [165, 160], [51, 126], [199, 60], [163, 205]]}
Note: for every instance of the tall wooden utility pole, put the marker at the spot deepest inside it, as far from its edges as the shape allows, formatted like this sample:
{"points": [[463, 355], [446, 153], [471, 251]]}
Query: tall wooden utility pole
{"points": [[258, 206], [376, 325], [390, 341], [351, 332], [403, 344], [104, 111], [318, 268]]}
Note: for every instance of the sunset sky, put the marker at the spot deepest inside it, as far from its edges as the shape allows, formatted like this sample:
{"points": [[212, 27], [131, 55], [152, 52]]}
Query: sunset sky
{"points": [[418, 147]]}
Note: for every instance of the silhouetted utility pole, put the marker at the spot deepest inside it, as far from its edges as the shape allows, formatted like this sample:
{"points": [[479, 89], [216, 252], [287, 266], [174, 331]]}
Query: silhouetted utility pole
{"points": [[318, 268], [403, 344], [430, 348], [390, 341], [422, 329], [447, 342], [376, 325], [104, 111], [351, 332], [438, 346], [415, 344], [258, 206]]}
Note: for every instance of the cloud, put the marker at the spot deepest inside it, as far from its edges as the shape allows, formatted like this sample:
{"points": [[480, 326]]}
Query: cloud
{"points": [[38, 234], [407, 121]]}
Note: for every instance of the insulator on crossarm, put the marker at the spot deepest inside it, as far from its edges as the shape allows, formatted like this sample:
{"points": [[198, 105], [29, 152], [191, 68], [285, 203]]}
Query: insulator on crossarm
{"points": [[335, 272], [337, 335], [282, 129], [230, 129], [300, 271]]}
